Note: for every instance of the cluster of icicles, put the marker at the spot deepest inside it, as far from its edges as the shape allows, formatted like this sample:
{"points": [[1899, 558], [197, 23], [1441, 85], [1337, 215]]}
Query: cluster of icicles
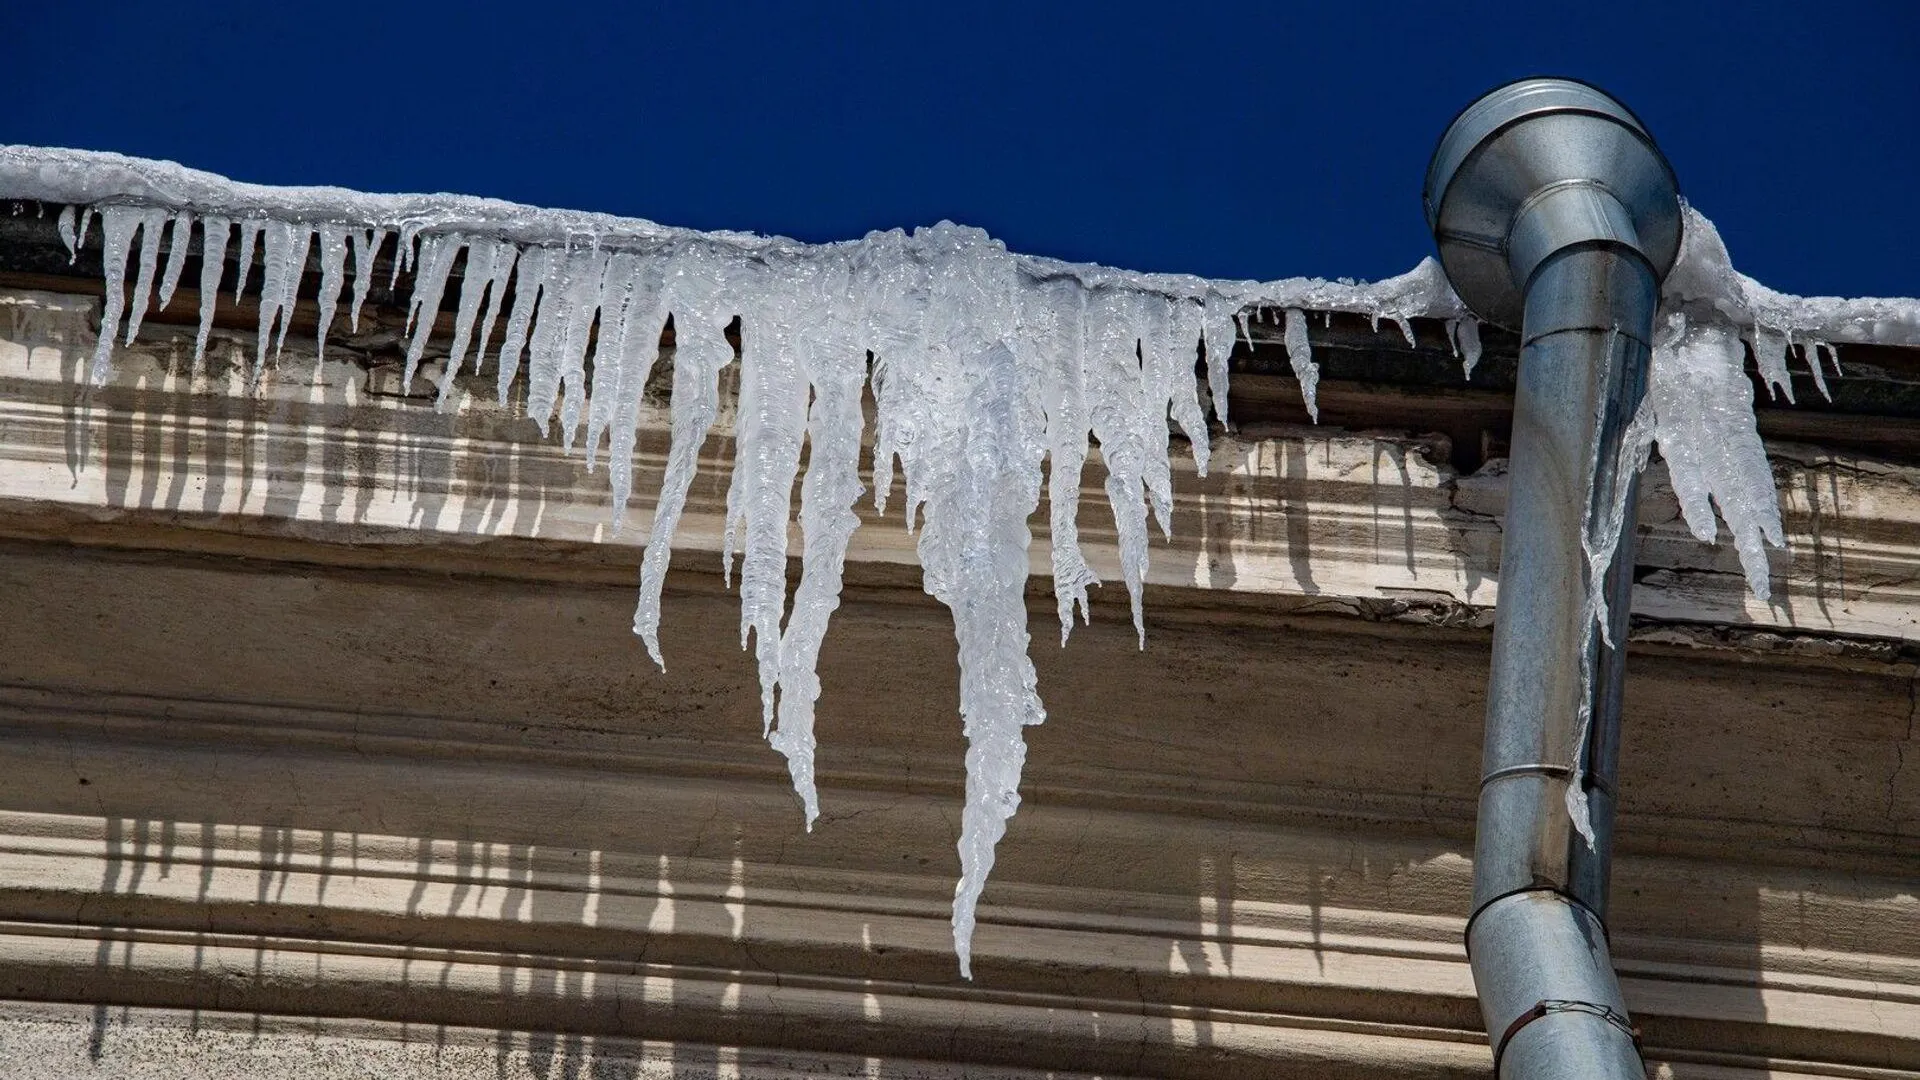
{"points": [[991, 371]]}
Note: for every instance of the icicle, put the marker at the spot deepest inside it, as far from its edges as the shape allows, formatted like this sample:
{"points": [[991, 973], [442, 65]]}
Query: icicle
{"points": [[476, 280], [545, 341], [587, 298], [1770, 354], [366, 247], [277, 238], [67, 236], [176, 256], [557, 352], [531, 285], [80, 239], [974, 555], [1056, 319], [1833, 356], [557, 348], [429, 284], [773, 404], [1607, 518], [403, 254], [1811, 353], [1300, 357], [1184, 330], [836, 369], [249, 235], [215, 231], [504, 256], [690, 291], [1469, 335], [1703, 409], [1217, 330], [333, 273], [1150, 318], [152, 221], [610, 356], [1579, 812], [283, 260], [117, 230], [1114, 401], [896, 335], [640, 350], [293, 269], [1609, 511], [1169, 337]]}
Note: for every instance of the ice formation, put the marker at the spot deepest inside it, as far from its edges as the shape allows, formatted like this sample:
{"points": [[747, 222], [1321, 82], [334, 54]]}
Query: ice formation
{"points": [[1699, 411], [989, 370], [1699, 393]]}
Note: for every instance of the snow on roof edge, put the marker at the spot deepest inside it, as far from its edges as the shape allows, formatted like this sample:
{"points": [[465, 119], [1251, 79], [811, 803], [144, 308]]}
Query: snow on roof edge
{"points": [[89, 177]]}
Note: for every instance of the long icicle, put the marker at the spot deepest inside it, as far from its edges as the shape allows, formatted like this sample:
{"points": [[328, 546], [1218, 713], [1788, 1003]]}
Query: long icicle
{"points": [[836, 370], [691, 292]]}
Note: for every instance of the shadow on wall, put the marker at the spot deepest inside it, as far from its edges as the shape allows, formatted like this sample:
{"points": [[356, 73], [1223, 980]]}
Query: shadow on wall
{"points": [[313, 446], [759, 936], [306, 446], [619, 854], [555, 969]]}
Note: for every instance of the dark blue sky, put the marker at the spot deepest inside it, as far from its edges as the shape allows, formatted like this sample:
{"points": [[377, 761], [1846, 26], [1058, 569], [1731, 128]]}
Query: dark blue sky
{"points": [[1245, 140]]}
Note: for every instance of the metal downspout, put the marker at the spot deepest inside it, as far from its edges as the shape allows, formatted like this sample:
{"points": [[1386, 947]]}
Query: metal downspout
{"points": [[1555, 212]]}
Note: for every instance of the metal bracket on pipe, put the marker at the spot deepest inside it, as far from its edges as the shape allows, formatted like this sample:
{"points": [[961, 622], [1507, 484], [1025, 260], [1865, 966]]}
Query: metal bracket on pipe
{"points": [[1558, 772], [1556, 1005]]}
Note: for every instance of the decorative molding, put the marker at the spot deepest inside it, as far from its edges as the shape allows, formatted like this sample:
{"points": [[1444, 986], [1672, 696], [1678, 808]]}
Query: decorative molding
{"points": [[1335, 519]]}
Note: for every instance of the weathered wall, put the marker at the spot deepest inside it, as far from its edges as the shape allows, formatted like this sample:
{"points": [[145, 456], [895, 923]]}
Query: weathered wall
{"points": [[353, 727]]}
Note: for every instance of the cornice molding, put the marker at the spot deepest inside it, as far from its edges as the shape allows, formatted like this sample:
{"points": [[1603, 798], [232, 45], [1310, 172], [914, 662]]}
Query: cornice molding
{"points": [[1334, 520]]}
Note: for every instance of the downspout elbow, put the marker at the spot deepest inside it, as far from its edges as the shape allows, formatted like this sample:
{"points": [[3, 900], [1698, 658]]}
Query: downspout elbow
{"points": [[1563, 216]]}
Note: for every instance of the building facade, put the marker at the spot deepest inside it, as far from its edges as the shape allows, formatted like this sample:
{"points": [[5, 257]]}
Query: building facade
{"points": [[329, 752]]}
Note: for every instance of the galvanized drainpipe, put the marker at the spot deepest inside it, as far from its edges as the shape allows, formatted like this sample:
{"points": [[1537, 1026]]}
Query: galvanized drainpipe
{"points": [[1555, 212]]}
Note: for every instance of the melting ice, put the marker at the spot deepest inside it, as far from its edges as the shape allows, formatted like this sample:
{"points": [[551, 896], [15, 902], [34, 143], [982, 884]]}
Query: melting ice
{"points": [[991, 371]]}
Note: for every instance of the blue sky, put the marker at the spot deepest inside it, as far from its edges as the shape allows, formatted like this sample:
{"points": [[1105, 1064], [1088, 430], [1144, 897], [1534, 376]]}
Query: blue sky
{"points": [[1242, 140]]}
